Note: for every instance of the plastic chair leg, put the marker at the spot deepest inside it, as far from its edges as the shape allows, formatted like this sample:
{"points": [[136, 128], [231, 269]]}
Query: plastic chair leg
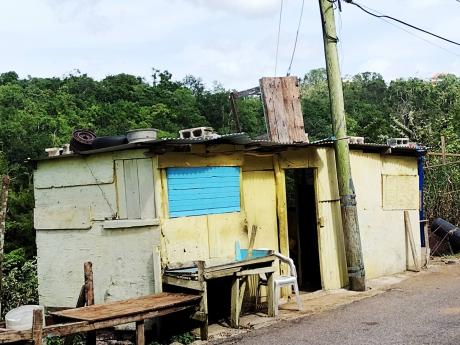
{"points": [[297, 295], [276, 299]]}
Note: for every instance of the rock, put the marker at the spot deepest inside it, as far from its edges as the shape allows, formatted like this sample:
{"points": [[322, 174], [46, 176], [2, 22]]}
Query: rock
{"points": [[176, 343]]}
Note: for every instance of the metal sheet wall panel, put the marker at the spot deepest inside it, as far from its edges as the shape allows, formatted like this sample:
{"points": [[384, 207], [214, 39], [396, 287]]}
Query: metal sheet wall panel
{"points": [[203, 190]]}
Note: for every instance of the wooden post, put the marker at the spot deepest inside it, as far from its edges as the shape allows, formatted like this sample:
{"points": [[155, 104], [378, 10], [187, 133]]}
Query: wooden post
{"points": [[89, 297], [157, 281], [410, 237], [271, 294], [204, 301], [234, 310], [355, 264], [37, 326], [443, 149], [235, 111], [140, 334], [3, 208]]}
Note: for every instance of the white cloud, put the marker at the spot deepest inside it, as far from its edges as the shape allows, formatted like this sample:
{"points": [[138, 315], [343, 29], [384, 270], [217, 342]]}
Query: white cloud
{"points": [[246, 7]]}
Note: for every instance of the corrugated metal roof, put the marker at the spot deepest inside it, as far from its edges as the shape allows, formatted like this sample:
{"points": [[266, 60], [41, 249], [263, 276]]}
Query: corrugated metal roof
{"points": [[245, 140]]}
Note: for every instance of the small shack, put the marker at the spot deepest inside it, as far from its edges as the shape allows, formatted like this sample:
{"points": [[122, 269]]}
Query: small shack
{"points": [[135, 209]]}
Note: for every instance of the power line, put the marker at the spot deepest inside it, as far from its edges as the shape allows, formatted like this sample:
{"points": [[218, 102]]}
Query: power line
{"points": [[413, 34], [296, 37], [278, 39], [401, 22]]}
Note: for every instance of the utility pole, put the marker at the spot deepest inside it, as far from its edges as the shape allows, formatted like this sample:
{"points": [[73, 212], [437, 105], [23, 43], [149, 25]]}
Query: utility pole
{"points": [[350, 224]]}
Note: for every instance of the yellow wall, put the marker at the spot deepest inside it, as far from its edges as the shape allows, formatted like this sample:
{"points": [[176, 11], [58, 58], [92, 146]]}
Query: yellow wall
{"points": [[212, 237], [90, 198]]}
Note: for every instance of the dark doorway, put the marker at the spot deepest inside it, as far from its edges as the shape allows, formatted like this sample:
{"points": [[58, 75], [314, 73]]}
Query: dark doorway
{"points": [[302, 227]]}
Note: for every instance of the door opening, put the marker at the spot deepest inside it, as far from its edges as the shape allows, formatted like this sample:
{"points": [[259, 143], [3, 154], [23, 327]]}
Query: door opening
{"points": [[302, 227]]}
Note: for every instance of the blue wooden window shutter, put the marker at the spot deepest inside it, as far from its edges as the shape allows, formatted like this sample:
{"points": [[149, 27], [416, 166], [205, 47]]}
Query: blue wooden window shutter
{"points": [[203, 190]]}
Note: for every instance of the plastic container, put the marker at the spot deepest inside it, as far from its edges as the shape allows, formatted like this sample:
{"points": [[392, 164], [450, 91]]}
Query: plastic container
{"points": [[140, 135], [20, 319]]}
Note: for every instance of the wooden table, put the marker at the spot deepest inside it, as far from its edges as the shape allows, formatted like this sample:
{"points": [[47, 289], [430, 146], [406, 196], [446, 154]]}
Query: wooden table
{"points": [[195, 278]]}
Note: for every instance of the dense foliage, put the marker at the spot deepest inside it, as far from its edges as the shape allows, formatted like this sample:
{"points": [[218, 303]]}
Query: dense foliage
{"points": [[36, 113]]}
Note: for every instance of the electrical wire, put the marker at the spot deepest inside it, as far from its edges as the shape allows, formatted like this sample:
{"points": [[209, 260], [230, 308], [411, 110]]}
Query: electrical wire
{"points": [[296, 37], [278, 38], [412, 33], [401, 22]]}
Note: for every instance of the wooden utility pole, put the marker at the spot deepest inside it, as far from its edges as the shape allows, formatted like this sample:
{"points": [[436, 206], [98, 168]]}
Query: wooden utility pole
{"points": [[3, 208], [350, 224]]}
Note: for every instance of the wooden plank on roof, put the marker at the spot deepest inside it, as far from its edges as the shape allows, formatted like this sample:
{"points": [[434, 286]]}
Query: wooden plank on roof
{"points": [[283, 113]]}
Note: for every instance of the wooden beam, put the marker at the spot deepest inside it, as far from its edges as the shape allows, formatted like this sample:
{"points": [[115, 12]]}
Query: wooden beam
{"points": [[89, 296], [140, 334], [86, 326], [410, 237], [37, 326], [11, 336], [184, 283], [234, 308], [80, 303]]}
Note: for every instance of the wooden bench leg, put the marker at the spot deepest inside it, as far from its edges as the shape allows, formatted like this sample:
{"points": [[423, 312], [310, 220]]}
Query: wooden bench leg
{"points": [[271, 295], [37, 326], [235, 310], [140, 335]]}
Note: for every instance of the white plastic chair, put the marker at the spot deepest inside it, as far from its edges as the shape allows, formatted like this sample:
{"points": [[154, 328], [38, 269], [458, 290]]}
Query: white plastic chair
{"points": [[280, 281]]}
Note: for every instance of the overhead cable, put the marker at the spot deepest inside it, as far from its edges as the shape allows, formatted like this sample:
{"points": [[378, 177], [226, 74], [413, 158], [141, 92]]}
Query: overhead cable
{"points": [[401, 22], [278, 38], [296, 37]]}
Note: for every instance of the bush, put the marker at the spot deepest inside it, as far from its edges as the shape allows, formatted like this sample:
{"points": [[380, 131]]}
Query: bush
{"points": [[20, 284]]}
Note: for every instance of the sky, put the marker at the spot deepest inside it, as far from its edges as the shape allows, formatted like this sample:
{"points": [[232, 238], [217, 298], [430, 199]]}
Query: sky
{"points": [[232, 42]]}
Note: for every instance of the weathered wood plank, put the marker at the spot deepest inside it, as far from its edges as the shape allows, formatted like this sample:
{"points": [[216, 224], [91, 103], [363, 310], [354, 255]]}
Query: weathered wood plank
{"points": [[133, 209], [281, 100], [234, 308], [140, 336], [256, 271], [10, 336], [121, 189], [86, 326], [146, 188], [37, 326], [124, 308], [185, 283]]}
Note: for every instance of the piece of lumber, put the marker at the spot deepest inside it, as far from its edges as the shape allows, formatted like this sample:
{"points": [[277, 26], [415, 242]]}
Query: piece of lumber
{"points": [[256, 271], [37, 326], [203, 308], [89, 297], [184, 283], [89, 287], [128, 307], [410, 237], [86, 326], [271, 294], [252, 240], [242, 291], [282, 109], [234, 308], [11, 336], [221, 273], [140, 334]]}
